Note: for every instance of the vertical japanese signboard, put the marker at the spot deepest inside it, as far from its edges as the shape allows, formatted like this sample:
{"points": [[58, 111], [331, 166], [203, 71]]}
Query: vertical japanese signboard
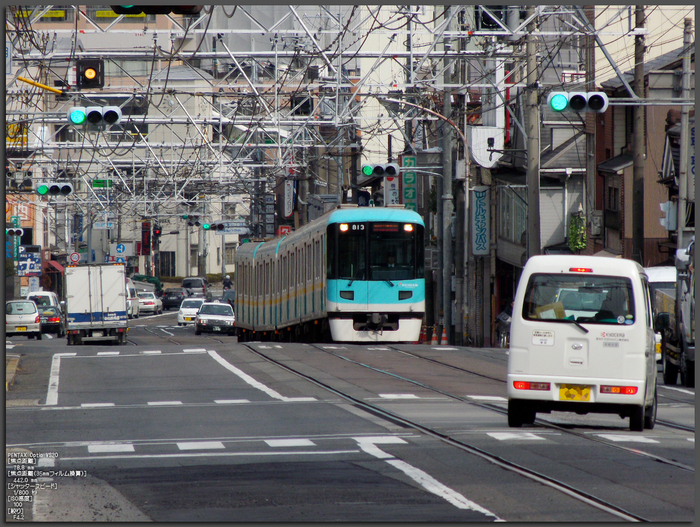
{"points": [[480, 220], [391, 190], [410, 183]]}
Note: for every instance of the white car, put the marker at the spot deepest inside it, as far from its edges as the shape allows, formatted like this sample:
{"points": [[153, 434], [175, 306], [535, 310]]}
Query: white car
{"points": [[215, 317], [22, 318], [150, 303], [188, 310]]}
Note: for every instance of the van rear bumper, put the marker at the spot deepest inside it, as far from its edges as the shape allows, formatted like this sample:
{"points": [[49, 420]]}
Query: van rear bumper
{"points": [[552, 399], [622, 409]]}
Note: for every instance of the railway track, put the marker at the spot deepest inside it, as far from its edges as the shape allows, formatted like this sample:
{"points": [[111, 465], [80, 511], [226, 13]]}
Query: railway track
{"points": [[523, 471]]}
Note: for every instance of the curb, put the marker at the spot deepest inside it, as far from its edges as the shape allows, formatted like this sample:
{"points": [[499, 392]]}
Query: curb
{"points": [[11, 365]]}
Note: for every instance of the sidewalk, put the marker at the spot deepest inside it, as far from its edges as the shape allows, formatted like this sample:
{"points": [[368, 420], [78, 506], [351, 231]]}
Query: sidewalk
{"points": [[11, 365]]}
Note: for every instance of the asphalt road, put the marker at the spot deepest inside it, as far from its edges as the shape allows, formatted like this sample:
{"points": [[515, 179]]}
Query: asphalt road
{"points": [[178, 427]]}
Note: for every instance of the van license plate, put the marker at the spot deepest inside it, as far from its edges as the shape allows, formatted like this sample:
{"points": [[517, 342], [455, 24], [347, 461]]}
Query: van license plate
{"points": [[574, 392], [21, 328]]}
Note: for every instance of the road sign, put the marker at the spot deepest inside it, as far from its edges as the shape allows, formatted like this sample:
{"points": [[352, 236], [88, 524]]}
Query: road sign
{"points": [[29, 264], [74, 257], [103, 225], [8, 57], [121, 248], [101, 183]]}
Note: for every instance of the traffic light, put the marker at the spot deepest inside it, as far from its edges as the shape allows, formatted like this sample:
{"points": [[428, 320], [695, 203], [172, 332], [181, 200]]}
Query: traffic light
{"points": [[157, 231], [191, 220], [14, 231], [217, 226], [156, 9], [594, 101], [54, 189], [77, 116], [206, 225], [388, 169], [103, 115], [91, 73]]}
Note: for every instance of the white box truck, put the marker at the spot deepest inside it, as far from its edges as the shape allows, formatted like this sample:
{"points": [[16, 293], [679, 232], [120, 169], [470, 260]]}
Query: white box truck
{"points": [[96, 303]]}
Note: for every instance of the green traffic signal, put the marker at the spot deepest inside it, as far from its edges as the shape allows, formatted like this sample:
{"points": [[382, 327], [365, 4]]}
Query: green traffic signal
{"points": [[77, 115], [558, 102], [206, 226], [185, 216], [367, 170], [42, 189]]}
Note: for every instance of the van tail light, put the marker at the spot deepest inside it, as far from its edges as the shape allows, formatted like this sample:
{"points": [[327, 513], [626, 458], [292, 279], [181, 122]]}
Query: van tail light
{"points": [[524, 385], [622, 390]]}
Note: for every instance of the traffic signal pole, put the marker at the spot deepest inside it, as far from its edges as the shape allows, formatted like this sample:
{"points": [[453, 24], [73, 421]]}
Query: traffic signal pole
{"points": [[532, 127], [638, 147]]}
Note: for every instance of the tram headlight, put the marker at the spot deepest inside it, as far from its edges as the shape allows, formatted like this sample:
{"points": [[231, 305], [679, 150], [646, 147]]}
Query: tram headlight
{"points": [[344, 227], [408, 227]]}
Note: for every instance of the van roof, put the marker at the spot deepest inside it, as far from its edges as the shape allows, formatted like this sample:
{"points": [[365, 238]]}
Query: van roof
{"points": [[661, 274], [557, 263]]}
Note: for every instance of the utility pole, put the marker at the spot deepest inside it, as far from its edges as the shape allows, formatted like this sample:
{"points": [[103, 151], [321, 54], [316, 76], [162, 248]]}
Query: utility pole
{"points": [[447, 204], [684, 179], [638, 149], [532, 127]]}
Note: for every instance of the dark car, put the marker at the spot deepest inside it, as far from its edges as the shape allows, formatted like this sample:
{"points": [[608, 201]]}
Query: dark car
{"points": [[229, 297], [198, 286], [173, 297], [53, 320]]}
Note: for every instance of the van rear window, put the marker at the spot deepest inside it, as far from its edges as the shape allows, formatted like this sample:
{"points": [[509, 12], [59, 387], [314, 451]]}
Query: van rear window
{"points": [[589, 298]]}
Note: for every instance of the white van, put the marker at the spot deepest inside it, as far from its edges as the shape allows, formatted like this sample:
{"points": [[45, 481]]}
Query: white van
{"points": [[44, 299], [662, 277], [132, 300], [582, 340]]}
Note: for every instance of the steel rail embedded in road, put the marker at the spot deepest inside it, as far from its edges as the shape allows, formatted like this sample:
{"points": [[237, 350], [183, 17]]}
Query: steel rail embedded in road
{"points": [[555, 484]]}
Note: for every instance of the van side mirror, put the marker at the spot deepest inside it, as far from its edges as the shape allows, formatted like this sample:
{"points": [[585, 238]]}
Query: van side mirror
{"points": [[663, 321]]}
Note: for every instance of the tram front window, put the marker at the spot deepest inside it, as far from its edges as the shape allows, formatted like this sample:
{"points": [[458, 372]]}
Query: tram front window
{"points": [[393, 253], [352, 252]]}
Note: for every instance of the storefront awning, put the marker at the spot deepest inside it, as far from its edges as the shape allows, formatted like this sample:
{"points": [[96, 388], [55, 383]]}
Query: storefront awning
{"points": [[57, 266]]}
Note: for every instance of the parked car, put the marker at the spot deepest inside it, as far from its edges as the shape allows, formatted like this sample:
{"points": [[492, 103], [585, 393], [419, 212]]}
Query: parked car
{"points": [[22, 318], [173, 297], [188, 310], [150, 303], [199, 286], [53, 320], [132, 300], [215, 317]]}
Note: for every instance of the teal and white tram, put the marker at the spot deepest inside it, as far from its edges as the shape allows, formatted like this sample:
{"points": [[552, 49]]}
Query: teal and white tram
{"points": [[356, 274]]}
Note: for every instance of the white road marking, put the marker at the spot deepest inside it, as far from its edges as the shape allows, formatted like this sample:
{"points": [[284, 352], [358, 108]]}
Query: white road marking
{"points": [[96, 405], [398, 396], [151, 352], [103, 448], [52, 394], [627, 438], [691, 439], [425, 480], [281, 443], [677, 389], [231, 401], [255, 384], [195, 350], [216, 454], [9, 345], [486, 398], [504, 436], [164, 403], [103, 353], [200, 445]]}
